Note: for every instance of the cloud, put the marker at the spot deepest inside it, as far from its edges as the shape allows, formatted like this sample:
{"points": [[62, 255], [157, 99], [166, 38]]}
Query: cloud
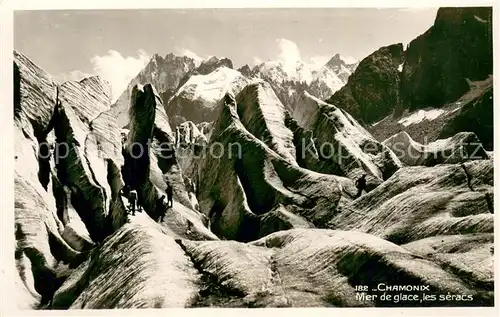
{"points": [[257, 61], [75, 75], [289, 54], [119, 70], [290, 57]]}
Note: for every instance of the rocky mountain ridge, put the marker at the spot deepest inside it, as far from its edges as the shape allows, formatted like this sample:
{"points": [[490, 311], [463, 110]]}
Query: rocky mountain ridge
{"points": [[216, 76], [289, 84], [439, 69], [164, 73]]}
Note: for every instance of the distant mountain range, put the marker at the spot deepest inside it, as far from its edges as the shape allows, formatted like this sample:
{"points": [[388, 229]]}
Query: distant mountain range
{"points": [[191, 88]]}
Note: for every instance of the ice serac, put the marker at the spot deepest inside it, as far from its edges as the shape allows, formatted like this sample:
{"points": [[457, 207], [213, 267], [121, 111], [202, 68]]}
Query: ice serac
{"points": [[164, 74], [139, 266], [263, 115], [139, 149], [343, 146], [470, 255], [240, 187], [461, 147], [319, 268], [372, 91], [88, 132], [190, 146], [40, 248], [35, 94], [148, 168], [206, 128], [265, 213], [197, 99], [420, 202]]}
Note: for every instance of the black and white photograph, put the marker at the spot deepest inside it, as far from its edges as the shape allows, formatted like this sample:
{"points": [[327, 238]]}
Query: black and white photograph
{"points": [[261, 157]]}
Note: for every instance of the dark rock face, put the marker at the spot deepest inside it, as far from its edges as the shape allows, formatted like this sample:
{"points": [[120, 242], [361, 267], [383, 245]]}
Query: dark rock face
{"points": [[433, 71], [246, 71], [459, 46], [372, 92], [167, 94], [475, 116], [473, 112]]}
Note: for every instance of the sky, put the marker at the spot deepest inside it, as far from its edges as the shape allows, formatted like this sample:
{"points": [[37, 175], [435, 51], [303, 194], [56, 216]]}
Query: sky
{"points": [[117, 44]]}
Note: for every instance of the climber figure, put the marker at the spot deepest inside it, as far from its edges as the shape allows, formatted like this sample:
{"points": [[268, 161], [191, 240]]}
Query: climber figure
{"points": [[361, 185], [125, 192], [160, 208], [170, 194], [132, 198], [189, 227]]}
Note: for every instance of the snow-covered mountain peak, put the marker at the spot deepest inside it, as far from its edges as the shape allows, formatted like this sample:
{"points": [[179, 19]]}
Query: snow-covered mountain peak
{"points": [[211, 88], [278, 71]]}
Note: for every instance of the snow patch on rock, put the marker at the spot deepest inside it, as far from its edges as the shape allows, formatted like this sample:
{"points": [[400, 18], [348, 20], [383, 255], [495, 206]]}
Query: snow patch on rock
{"points": [[479, 19], [420, 116], [400, 67]]}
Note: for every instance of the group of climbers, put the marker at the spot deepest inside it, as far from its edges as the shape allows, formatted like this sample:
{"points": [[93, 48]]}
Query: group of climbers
{"points": [[160, 208]]}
